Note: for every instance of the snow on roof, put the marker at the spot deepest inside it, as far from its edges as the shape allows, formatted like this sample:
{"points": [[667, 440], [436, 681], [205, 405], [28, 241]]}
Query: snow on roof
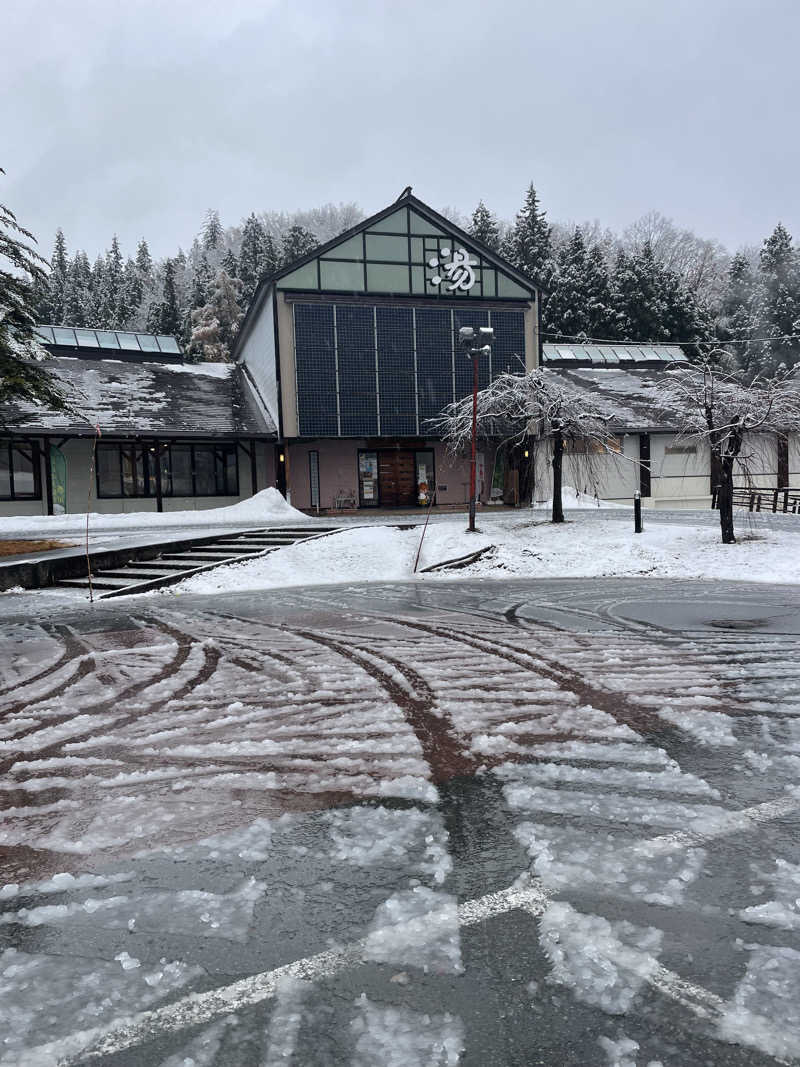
{"points": [[143, 397], [631, 396], [610, 354]]}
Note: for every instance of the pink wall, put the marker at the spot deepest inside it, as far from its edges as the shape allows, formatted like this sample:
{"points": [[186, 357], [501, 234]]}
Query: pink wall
{"points": [[338, 471]]}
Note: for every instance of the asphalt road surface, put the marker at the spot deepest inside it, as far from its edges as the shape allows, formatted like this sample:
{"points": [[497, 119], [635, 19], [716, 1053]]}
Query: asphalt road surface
{"points": [[471, 823]]}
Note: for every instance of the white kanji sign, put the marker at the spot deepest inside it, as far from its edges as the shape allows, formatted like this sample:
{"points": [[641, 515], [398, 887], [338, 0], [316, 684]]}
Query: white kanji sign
{"points": [[459, 270]]}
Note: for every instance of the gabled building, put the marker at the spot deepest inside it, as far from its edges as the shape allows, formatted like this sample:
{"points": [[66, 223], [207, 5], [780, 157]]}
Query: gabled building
{"points": [[353, 349]]}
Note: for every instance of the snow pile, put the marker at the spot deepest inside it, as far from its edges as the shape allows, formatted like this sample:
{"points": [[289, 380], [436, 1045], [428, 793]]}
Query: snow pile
{"points": [[604, 963], [398, 1037], [574, 500], [784, 910], [364, 554], [417, 927], [765, 1011], [267, 506]]}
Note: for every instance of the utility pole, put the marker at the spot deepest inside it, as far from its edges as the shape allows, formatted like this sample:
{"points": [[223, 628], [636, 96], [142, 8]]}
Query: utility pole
{"points": [[475, 345]]}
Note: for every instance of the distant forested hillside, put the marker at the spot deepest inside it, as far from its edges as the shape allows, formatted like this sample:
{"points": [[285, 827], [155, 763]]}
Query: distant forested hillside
{"points": [[653, 282]]}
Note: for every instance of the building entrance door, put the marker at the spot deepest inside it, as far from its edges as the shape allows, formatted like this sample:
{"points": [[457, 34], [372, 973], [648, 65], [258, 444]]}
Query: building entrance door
{"points": [[396, 479]]}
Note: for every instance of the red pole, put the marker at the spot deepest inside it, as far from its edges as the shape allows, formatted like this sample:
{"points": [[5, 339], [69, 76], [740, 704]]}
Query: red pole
{"points": [[474, 436]]}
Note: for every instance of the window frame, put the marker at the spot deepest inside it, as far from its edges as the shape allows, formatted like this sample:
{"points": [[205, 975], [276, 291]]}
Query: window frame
{"points": [[145, 462], [12, 445]]}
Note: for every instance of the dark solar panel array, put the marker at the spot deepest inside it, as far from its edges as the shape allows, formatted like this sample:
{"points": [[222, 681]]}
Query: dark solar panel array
{"points": [[395, 336], [508, 350], [358, 400], [395, 405], [316, 370], [434, 360]]}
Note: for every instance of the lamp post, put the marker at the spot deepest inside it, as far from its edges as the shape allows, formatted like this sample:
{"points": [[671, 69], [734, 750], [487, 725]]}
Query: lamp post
{"points": [[475, 345]]}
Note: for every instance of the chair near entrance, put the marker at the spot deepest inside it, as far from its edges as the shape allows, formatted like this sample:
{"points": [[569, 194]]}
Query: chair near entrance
{"points": [[344, 501]]}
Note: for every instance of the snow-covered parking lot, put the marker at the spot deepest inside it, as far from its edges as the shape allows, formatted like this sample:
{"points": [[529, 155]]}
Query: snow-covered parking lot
{"points": [[432, 822]]}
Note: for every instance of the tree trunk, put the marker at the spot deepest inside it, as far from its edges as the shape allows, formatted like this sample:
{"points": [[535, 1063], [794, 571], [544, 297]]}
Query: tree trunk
{"points": [[558, 452], [726, 501]]}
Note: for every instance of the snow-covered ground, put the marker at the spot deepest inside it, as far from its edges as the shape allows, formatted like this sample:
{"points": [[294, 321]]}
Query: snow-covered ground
{"points": [[585, 546], [268, 507]]}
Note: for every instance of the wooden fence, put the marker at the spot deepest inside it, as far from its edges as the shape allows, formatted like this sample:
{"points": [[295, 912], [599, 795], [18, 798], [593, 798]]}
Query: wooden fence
{"points": [[757, 499]]}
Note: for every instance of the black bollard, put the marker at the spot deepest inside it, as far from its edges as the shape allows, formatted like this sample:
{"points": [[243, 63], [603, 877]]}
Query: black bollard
{"points": [[637, 512]]}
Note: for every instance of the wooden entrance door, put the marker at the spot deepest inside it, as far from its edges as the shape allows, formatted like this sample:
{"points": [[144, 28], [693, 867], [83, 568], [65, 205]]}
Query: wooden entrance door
{"points": [[396, 483]]}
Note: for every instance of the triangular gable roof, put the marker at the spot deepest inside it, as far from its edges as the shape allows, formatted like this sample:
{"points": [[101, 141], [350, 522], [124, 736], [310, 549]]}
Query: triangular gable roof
{"points": [[437, 220], [519, 285]]}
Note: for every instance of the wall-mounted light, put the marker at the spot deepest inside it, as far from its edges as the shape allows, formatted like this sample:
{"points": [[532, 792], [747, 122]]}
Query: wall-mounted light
{"points": [[526, 453], [280, 457]]}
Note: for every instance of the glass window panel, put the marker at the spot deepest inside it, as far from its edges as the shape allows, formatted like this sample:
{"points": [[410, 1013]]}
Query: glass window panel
{"points": [[24, 476], [352, 248], [147, 342], [420, 225], [205, 470], [349, 276], [231, 481], [397, 222], [385, 278], [426, 480], [168, 344], [132, 471], [45, 333], [368, 478], [64, 336], [180, 460], [418, 279], [507, 287], [303, 278], [489, 281], [5, 475], [381, 247], [107, 338], [417, 250], [128, 340], [108, 479], [86, 338]]}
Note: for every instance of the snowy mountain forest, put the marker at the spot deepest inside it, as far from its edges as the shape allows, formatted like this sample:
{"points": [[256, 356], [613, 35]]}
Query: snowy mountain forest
{"points": [[653, 282]]}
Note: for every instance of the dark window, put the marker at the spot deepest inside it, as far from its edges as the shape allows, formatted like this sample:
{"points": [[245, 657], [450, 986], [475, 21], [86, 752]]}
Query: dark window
{"points": [[129, 470], [19, 471], [180, 471]]}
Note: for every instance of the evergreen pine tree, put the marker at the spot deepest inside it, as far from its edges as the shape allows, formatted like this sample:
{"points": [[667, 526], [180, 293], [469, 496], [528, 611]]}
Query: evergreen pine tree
{"points": [[165, 315], [21, 267], [78, 302], [566, 312], [230, 264], [777, 300], [212, 231], [97, 303], [144, 261], [257, 256], [528, 244], [484, 227], [112, 300], [216, 324], [52, 308], [198, 296], [297, 242]]}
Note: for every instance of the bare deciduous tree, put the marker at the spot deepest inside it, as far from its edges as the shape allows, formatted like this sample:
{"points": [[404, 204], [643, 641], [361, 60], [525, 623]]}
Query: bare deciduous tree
{"points": [[536, 406], [720, 408]]}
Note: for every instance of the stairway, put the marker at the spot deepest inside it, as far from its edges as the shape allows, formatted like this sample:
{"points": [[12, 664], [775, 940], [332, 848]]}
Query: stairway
{"points": [[137, 576]]}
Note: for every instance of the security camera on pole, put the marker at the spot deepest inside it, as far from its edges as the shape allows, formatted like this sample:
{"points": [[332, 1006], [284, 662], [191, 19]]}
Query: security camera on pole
{"points": [[475, 345]]}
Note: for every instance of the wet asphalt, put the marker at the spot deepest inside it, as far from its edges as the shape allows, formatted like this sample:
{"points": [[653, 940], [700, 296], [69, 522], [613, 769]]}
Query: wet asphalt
{"points": [[505, 1004]]}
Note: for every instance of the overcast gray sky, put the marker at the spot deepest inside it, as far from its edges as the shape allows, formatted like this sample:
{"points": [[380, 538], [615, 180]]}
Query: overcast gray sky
{"points": [[137, 117]]}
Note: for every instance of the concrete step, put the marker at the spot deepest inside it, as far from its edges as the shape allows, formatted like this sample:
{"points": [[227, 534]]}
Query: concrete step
{"points": [[138, 574], [99, 583]]}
